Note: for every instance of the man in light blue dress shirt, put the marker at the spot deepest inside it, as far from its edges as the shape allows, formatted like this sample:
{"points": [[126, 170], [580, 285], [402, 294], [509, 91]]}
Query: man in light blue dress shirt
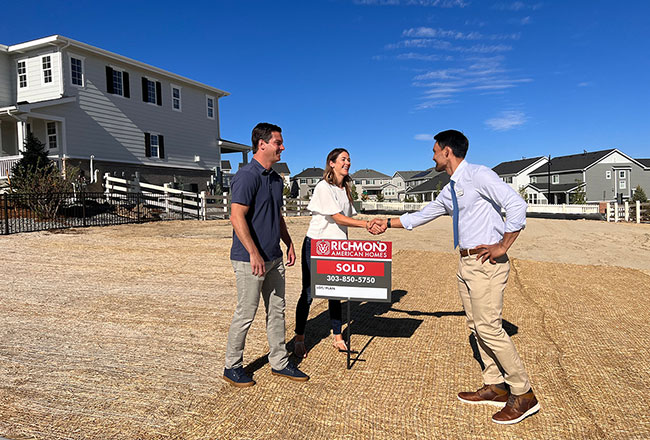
{"points": [[474, 198]]}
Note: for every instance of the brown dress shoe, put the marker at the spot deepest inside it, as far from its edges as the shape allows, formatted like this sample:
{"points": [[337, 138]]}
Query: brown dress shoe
{"points": [[517, 409], [489, 394]]}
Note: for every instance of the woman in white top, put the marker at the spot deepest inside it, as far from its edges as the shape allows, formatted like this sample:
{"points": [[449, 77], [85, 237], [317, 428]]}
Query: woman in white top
{"points": [[331, 207]]}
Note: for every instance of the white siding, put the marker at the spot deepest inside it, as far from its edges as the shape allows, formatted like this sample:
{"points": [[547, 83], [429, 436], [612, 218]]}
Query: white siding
{"points": [[6, 80], [615, 158], [112, 127], [36, 90]]}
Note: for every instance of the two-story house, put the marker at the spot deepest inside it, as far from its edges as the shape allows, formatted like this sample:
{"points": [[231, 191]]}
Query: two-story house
{"points": [[283, 170], [400, 181], [429, 189], [516, 172], [603, 175], [107, 113], [303, 183], [372, 183]]}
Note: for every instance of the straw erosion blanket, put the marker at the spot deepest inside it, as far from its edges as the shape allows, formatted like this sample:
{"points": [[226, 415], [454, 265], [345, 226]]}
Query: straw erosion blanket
{"points": [[119, 333]]}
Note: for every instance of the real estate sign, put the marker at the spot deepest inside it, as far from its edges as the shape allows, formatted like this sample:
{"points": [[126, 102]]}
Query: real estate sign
{"points": [[359, 270]]}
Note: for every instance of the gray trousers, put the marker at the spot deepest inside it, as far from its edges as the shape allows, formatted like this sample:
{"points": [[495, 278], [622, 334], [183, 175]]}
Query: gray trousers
{"points": [[249, 287]]}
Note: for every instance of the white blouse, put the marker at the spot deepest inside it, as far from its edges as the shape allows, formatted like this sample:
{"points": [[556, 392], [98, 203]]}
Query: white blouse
{"points": [[326, 201]]}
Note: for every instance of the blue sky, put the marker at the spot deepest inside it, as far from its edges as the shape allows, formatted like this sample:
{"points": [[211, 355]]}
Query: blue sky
{"points": [[380, 77]]}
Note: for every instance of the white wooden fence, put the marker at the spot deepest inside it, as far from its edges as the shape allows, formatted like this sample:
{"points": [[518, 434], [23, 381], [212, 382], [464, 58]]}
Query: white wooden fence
{"points": [[200, 205], [630, 212]]}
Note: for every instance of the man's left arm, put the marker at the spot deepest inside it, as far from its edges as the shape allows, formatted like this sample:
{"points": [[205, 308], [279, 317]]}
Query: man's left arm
{"points": [[489, 184], [286, 238]]}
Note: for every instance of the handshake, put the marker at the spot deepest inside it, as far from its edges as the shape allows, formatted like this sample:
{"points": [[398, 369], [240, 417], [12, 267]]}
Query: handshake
{"points": [[377, 226]]}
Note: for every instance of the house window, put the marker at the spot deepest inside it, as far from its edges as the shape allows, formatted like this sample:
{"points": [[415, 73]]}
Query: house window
{"points": [[117, 82], [303, 181], [621, 174], [47, 69], [608, 174], [507, 179], [532, 199], [622, 184], [151, 91], [176, 98], [533, 179], [555, 179], [22, 74], [51, 135], [209, 102], [76, 71], [154, 145]]}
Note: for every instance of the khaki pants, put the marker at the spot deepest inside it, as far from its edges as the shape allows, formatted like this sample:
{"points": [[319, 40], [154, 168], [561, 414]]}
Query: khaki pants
{"points": [[481, 286], [249, 288]]}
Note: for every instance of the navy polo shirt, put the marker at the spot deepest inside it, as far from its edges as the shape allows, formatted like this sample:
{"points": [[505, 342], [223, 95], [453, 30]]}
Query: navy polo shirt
{"points": [[261, 190]]}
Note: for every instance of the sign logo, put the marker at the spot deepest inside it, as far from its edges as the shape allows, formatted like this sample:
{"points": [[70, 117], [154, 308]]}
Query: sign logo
{"points": [[323, 247]]}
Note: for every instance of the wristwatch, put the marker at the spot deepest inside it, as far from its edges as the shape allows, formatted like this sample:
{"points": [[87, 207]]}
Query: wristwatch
{"points": [[388, 223]]}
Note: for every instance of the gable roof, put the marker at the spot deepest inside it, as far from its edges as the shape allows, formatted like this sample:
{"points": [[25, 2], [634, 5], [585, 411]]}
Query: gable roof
{"points": [[367, 173], [281, 168], [428, 173], [440, 180], [644, 162], [515, 166], [577, 162], [310, 172], [406, 175]]}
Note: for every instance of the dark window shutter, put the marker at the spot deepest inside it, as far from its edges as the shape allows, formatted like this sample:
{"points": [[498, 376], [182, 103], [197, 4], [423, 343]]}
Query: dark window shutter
{"points": [[109, 80], [147, 144], [145, 89], [126, 85], [161, 145], [158, 94]]}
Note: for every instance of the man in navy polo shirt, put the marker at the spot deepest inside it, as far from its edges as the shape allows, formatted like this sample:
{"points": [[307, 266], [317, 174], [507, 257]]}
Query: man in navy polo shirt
{"points": [[256, 256]]}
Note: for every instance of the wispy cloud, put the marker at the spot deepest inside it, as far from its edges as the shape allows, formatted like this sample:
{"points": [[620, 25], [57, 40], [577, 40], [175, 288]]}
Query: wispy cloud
{"points": [[517, 6], [436, 3], [585, 84], [423, 137], [507, 120], [427, 32], [432, 43]]}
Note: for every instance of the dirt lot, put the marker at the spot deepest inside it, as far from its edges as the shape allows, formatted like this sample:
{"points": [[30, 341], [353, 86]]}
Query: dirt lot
{"points": [[119, 332]]}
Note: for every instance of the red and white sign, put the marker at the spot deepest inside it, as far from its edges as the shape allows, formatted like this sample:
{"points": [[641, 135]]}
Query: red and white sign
{"points": [[367, 250], [365, 268]]}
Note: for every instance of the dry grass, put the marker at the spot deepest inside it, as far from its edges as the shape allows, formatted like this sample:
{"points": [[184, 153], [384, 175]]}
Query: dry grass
{"points": [[119, 332]]}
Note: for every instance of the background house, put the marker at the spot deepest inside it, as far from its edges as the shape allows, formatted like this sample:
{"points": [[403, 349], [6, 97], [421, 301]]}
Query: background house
{"points": [[303, 183], [603, 175], [428, 190], [516, 172], [370, 182], [104, 112], [400, 179], [283, 170]]}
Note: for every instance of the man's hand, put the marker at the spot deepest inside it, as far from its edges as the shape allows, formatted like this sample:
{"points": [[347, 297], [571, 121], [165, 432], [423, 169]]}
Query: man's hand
{"points": [[257, 264], [291, 255], [491, 252], [377, 226]]}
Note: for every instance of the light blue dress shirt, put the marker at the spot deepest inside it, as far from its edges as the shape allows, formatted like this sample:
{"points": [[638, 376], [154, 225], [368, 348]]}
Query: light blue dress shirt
{"points": [[481, 195]]}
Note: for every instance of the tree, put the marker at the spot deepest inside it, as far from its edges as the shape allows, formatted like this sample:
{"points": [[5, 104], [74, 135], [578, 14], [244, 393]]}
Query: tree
{"points": [[364, 196], [353, 192], [522, 192], [286, 192], [579, 196], [36, 175], [380, 197], [438, 189], [639, 195]]}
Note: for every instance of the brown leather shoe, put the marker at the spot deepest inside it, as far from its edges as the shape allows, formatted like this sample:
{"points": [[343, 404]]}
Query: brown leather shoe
{"points": [[489, 394], [517, 409]]}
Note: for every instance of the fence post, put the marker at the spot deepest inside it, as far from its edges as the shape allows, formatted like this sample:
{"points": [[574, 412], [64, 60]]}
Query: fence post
{"points": [[202, 205], [6, 208], [166, 185], [198, 206], [627, 211], [138, 202], [182, 206], [83, 207], [284, 205], [616, 212], [638, 211], [225, 204], [609, 211]]}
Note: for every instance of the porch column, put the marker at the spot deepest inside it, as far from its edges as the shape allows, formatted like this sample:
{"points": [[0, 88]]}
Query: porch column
{"points": [[21, 134], [244, 155]]}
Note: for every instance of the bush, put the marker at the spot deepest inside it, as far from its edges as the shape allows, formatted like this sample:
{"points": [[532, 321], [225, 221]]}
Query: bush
{"points": [[639, 195]]}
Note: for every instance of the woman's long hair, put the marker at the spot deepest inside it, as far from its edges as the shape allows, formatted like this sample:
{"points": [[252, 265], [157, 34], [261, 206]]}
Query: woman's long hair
{"points": [[328, 175]]}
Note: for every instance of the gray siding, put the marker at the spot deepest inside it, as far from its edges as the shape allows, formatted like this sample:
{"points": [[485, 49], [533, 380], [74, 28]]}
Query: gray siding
{"points": [[112, 127], [7, 92], [601, 188], [36, 89]]}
